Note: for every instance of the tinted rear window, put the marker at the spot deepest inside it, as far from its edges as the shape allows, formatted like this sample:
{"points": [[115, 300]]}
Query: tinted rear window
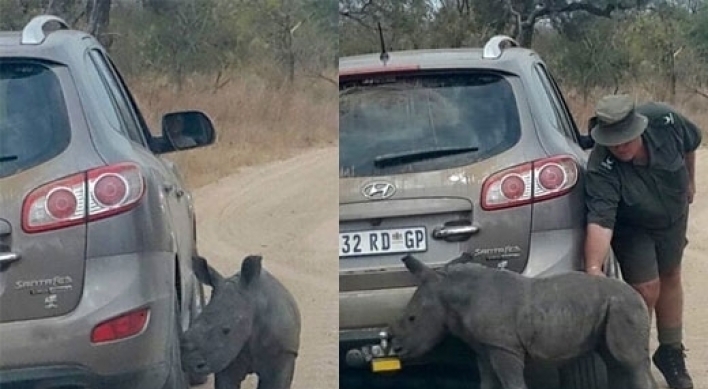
{"points": [[34, 124], [423, 122]]}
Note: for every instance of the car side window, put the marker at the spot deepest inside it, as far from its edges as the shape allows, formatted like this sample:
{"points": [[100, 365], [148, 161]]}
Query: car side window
{"points": [[548, 115], [130, 101], [103, 99], [118, 97], [566, 123]]}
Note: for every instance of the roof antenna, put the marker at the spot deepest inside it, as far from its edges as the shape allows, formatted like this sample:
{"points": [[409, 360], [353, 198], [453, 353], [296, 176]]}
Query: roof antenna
{"points": [[384, 54]]}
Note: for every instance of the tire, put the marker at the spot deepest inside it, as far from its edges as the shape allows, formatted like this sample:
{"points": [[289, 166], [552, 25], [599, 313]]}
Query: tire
{"points": [[176, 379], [587, 372], [198, 303]]}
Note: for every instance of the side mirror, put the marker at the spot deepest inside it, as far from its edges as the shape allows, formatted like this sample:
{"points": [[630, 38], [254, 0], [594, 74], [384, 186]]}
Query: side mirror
{"points": [[186, 130], [585, 141]]}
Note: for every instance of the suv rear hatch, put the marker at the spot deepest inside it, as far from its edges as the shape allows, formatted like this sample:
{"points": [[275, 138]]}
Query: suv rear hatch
{"points": [[42, 228], [417, 155]]}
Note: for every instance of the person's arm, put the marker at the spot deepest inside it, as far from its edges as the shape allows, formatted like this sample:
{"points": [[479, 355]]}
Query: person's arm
{"points": [[690, 137], [602, 197], [691, 167], [597, 246]]}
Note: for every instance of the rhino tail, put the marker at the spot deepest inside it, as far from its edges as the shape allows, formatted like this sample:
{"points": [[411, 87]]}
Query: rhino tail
{"points": [[627, 329]]}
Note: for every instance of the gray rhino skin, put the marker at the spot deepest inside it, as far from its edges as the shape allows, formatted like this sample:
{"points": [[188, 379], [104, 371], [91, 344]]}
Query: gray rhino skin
{"points": [[250, 325], [506, 317]]}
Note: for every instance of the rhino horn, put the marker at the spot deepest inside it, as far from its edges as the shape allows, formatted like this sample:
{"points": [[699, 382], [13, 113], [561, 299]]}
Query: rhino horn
{"points": [[251, 268], [422, 272]]}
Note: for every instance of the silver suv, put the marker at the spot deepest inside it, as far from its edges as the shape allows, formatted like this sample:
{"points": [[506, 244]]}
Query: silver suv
{"points": [[444, 152], [97, 232]]}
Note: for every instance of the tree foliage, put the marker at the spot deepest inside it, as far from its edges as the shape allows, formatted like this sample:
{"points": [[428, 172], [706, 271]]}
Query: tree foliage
{"points": [[178, 38], [661, 45]]}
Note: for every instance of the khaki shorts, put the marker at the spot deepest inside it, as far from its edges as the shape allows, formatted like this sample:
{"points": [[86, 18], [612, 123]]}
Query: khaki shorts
{"points": [[645, 254]]}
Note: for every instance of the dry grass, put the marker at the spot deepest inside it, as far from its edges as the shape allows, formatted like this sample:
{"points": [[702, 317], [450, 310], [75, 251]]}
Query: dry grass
{"points": [[256, 122], [689, 104]]}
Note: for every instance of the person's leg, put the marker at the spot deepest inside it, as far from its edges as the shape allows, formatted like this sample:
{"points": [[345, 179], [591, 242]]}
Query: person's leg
{"points": [[670, 356], [635, 251]]}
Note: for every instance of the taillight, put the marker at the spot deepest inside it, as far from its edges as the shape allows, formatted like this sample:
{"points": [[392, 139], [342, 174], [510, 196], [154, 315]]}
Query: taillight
{"points": [[83, 197], [539, 180], [121, 327]]}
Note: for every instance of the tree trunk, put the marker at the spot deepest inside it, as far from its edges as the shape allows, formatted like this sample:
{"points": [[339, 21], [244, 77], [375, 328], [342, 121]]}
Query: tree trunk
{"points": [[525, 36], [98, 13]]}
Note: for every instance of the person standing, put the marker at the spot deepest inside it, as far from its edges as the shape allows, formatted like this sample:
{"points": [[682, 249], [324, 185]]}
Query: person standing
{"points": [[639, 184]]}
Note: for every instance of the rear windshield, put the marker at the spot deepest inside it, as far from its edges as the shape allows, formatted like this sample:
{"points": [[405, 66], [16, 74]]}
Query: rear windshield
{"points": [[34, 124], [422, 122]]}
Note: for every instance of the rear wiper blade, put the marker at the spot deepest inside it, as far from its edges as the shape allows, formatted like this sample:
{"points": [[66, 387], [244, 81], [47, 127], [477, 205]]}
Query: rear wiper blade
{"points": [[420, 155], [8, 158]]}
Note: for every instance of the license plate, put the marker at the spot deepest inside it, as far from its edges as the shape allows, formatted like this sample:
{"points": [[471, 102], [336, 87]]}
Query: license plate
{"points": [[385, 364], [378, 242]]}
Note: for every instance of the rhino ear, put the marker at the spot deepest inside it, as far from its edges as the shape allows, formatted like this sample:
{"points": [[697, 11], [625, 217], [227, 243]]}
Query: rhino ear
{"points": [[206, 274], [251, 268], [422, 272]]}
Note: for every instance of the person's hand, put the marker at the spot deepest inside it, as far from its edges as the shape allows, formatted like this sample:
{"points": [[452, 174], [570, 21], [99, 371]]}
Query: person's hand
{"points": [[595, 270], [691, 192]]}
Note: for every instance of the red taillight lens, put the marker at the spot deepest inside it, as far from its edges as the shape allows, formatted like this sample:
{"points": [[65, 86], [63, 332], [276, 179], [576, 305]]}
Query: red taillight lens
{"points": [[121, 327], [534, 181], [111, 190], [62, 203], [551, 176], [513, 187]]}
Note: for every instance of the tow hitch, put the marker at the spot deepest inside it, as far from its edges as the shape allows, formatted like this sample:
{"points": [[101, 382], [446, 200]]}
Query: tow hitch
{"points": [[379, 356]]}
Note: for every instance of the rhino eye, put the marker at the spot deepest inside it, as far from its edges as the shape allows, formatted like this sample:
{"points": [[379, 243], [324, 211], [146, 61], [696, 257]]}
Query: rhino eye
{"points": [[225, 330], [411, 318]]}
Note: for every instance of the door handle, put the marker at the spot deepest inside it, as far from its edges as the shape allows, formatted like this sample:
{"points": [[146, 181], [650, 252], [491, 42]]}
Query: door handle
{"points": [[5, 228], [9, 258], [446, 232]]}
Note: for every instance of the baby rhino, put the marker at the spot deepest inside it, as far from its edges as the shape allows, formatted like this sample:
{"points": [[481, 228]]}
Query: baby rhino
{"points": [[250, 325], [506, 318]]}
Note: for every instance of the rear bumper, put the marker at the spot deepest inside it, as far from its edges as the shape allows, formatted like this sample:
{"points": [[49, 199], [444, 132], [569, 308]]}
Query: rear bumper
{"points": [[64, 377], [36, 353]]}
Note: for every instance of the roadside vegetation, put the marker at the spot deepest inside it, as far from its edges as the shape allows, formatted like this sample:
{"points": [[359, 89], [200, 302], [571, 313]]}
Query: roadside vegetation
{"points": [[651, 49], [263, 70]]}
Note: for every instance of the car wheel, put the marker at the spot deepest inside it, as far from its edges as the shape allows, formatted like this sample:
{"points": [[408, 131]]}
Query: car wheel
{"points": [[198, 302], [177, 379], [587, 372]]}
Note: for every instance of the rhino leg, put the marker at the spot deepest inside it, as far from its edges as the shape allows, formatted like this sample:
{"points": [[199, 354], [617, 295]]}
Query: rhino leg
{"points": [[630, 377], [232, 376], [626, 352], [279, 374], [509, 368], [488, 378]]}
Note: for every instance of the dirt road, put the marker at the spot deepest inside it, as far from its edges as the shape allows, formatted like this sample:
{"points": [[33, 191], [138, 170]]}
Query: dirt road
{"points": [[287, 212]]}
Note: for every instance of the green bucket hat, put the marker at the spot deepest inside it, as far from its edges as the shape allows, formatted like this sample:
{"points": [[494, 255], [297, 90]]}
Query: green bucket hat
{"points": [[616, 121]]}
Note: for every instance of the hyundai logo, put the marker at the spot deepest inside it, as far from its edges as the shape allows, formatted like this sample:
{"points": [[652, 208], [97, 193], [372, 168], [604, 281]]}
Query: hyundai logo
{"points": [[378, 190]]}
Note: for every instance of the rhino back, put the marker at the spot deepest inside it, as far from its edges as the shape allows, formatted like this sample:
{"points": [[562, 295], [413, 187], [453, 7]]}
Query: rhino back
{"points": [[483, 304], [567, 313]]}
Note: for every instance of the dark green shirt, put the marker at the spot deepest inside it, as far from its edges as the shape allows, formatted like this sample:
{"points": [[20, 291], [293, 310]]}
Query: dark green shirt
{"points": [[653, 196]]}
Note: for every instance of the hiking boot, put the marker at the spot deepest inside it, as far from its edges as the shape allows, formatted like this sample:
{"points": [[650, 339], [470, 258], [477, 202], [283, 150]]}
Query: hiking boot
{"points": [[670, 362]]}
